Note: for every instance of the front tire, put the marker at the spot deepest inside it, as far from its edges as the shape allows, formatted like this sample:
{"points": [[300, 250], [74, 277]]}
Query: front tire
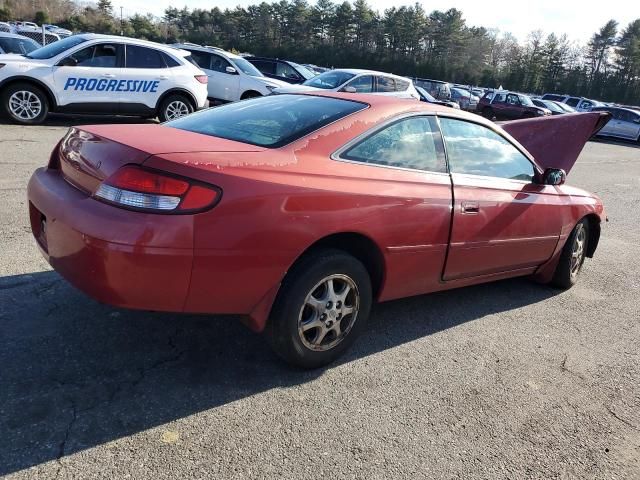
{"points": [[572, 256], [322, 306], [174, 107], [250, 94], [25, 104], [487, 112]]}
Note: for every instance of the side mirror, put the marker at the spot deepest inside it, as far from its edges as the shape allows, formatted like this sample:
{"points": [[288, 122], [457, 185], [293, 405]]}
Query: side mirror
{"points": [[68, 62], [349, 89], [554, 176], [231, 70]]}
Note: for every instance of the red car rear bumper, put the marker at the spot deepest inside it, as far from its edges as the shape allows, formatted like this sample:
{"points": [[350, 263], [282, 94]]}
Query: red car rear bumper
{"points": [[146, 264]]}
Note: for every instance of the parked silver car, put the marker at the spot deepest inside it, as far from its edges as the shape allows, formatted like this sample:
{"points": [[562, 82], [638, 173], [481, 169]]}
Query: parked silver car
{"points": [[13, 43], [624, 123]]}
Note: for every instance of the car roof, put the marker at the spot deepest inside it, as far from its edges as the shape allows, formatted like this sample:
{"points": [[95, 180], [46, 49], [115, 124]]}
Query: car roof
{"points": [[135, 41], [205, 48]]}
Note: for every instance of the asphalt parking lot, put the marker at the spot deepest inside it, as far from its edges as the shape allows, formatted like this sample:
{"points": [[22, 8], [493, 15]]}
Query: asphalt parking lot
{"points": [[506, 380]]}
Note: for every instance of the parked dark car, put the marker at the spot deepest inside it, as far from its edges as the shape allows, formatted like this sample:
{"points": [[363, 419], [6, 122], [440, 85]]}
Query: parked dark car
{"points": [[555, 108], [284, 70], [504, 105]]}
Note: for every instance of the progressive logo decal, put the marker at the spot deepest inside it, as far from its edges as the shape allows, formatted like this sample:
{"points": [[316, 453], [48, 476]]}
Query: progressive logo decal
{"points": [[111, 85]]}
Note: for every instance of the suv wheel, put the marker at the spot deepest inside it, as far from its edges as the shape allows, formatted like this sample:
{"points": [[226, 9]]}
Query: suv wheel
{"points": [[173, 107], [25, 103]]}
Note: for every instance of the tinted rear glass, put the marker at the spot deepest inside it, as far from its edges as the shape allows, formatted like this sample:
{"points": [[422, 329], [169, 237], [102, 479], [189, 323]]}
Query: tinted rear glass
{"points": [[142, 57], [271, 121]]}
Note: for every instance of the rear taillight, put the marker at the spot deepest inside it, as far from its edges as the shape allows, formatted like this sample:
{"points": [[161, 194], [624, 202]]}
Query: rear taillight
{"points": [[202, 78], [143, 189]]}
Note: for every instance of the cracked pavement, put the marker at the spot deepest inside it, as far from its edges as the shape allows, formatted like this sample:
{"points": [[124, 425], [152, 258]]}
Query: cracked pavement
{"points": [[506, 380]]}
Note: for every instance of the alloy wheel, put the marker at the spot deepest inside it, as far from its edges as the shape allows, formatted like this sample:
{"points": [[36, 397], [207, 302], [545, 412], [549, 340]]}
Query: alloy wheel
{"points": [[25, 105]]}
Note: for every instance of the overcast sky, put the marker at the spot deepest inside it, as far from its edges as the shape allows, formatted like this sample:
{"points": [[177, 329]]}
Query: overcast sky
{"points": [[579, 19]]}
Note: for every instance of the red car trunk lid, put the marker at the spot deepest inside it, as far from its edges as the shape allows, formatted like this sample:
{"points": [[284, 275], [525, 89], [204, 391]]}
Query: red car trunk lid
{"points": [[90, 154]]}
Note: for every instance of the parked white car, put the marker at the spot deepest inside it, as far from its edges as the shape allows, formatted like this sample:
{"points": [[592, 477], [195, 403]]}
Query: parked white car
{"points": [[352, 80], [581, 104], [231, 77], [100, 74]]}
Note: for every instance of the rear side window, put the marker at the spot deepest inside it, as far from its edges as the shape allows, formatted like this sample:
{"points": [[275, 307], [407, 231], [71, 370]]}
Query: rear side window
{"points": [[142, 57], [408, 143], [477, 150], [170, 61], [386, 84], [555, 98], [499, 98], [265, 66], [271, 121], [402, 85], [363, 84]]}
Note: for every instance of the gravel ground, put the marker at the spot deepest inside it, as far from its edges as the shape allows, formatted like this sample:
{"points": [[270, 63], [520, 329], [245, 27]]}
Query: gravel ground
{"points": [[506, 380]]}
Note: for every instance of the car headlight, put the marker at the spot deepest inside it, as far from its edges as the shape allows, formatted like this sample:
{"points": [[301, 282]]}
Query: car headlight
{"points": [[539, 112]]}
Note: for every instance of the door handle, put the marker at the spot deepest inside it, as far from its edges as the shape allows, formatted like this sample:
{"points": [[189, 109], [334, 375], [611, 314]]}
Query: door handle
{"points": [[108, 75], [162, 77], [470, 207]]}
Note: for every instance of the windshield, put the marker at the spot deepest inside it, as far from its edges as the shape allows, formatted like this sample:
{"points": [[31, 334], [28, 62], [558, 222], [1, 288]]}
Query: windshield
{"points": [[18, 45], [551, 106], [271, 121], [304, 71], [526, 101], [329, 80], [426, 95], [56, 48], [246, 67]]}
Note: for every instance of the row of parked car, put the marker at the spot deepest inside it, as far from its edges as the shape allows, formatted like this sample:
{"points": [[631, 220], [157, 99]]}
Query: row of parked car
{"points": [[229, 77]]}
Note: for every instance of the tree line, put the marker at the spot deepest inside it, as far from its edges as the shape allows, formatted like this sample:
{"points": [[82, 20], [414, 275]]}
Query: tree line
{"points": [[406, 40]]}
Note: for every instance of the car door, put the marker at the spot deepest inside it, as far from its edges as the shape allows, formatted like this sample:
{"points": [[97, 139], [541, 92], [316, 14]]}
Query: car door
{"points": [[144, 79], [227, 82], [86, 80], [629, 126], [502, 221], [513, 107], [499, 106]]}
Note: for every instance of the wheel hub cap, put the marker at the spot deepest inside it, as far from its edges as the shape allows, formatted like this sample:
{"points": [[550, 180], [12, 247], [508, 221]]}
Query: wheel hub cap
{"points": [[25, 105], [329, 312]]}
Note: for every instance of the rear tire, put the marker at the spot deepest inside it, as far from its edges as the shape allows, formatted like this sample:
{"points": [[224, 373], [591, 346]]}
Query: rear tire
{"points": [[322, 306], [572, 256], [174, 107], [25, 104]]}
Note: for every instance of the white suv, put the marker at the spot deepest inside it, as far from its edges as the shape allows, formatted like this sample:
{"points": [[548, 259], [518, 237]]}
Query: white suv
{"points": [[231, 77], [101, 74], [353, 80], [581, 104]]}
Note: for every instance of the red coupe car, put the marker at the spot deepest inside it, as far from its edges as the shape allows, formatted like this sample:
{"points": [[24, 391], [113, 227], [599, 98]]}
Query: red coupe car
{"points": [[299, 211]]}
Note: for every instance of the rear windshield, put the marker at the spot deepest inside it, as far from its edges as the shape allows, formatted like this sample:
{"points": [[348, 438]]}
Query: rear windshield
{"points": [[271, 121]]}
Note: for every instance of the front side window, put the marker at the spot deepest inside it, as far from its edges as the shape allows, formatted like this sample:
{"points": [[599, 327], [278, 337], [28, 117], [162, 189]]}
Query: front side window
{"points": [[265, 66], [402, 85], [103, 55], [513, 99], [286, 71], [363, 84], [573, 102], [271, 121], [142, 57], [219, 64], [477, 150], [408, 143]]}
